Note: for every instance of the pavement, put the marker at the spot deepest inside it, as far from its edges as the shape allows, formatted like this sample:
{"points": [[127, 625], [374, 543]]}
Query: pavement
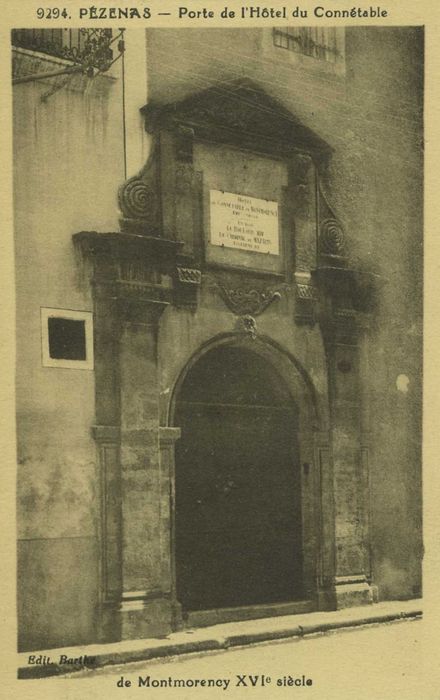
{"points": [[51, 662]]}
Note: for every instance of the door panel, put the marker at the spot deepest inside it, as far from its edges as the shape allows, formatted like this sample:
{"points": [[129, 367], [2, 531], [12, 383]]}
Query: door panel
{"points": [[238, 501]]}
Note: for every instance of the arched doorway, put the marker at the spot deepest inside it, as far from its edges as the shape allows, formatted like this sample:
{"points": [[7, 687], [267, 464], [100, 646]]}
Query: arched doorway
{"points": [[238, 535]]}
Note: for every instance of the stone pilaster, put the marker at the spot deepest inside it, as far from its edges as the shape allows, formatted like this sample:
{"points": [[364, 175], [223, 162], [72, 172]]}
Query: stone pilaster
{"points": [[351, 567], [168, 437], [350, 581], [132, 282], [145, 598], [325, 506], [107, 438]]}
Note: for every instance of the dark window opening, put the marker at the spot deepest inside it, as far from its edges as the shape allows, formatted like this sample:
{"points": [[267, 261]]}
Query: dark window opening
{"points": [[67, 339]]}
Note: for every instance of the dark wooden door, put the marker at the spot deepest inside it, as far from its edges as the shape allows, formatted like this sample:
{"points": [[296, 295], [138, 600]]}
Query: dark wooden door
{"points": [[238, 501]]}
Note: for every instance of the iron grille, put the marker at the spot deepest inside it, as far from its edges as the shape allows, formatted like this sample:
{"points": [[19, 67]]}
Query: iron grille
{"points": [[86, 47], [317, 42]]}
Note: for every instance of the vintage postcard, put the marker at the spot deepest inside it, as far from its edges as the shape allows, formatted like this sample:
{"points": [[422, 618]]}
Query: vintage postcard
{"points": [[219, 356]]}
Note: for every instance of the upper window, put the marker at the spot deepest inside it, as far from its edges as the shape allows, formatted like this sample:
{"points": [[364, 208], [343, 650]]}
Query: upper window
{"points": [[321, 43]]}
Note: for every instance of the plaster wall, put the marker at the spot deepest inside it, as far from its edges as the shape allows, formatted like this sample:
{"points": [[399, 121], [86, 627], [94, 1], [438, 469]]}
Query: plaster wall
{"points": [[68, 163]]}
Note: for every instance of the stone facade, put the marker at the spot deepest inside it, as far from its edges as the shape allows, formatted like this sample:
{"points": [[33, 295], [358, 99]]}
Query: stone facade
{"points": [[334, 309]]}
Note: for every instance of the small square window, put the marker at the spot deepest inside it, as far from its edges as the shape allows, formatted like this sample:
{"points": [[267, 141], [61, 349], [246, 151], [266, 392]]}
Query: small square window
{"points": [[67, 338]]}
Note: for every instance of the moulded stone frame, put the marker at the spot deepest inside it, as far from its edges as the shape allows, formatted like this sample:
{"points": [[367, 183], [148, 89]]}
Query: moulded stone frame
{"points": [[313, 437], [70, 315], [246, 262], [139, 592]]}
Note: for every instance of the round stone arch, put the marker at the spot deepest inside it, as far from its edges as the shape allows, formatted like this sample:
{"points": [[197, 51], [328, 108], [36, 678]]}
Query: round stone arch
{"points": [[310, 435], [287, 365]]}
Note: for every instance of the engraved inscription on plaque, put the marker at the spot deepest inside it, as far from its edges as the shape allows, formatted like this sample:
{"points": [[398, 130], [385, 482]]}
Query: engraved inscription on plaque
{"points": [[244, 223]]}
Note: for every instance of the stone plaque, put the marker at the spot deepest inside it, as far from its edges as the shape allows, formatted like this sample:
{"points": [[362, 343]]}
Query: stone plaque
{"points": [[244, 223]]}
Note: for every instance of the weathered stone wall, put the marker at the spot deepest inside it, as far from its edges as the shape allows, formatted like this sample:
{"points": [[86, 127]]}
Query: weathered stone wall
{"points": [[371, 115]]}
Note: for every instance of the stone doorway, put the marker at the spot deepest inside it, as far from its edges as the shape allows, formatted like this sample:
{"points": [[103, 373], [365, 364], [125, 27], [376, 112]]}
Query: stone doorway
{"points": [[238, 521]]}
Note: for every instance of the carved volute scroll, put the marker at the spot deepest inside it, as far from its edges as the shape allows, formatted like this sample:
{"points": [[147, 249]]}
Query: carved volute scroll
{"points": [[345, 287], [331, 239], [331, 243], [139, 200]]}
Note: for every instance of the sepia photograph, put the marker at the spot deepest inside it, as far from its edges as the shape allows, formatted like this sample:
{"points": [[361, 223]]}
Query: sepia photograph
{"points": [[218, 259]]}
